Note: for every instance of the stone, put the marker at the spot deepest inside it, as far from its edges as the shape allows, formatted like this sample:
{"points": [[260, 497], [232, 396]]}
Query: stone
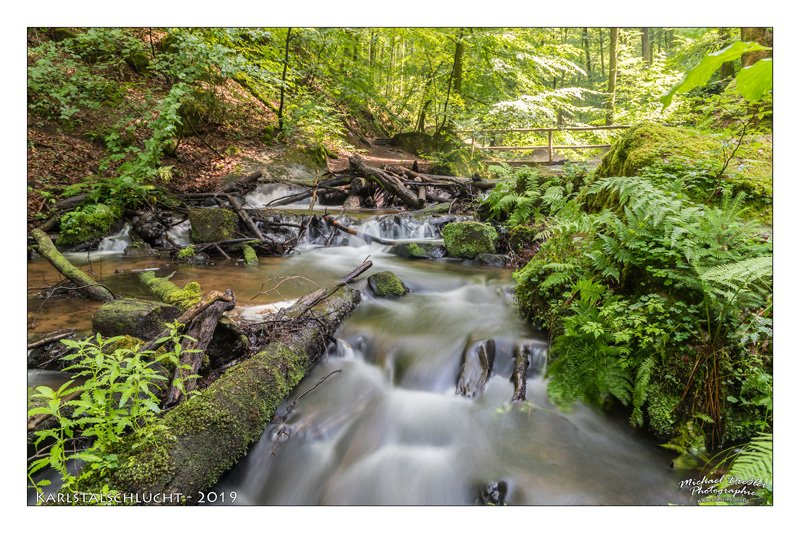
{"points": [[213, 224], [492, 260], [418, 250], [493, 493], [386, 285], [468, 239], [476, 367], [129, 316]]}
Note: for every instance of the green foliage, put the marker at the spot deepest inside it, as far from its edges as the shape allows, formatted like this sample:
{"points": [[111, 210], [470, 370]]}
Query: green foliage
{"points": [[750, 468], [113, 393], [752, 82], [641, 286], [186, 252], [86, 223]]}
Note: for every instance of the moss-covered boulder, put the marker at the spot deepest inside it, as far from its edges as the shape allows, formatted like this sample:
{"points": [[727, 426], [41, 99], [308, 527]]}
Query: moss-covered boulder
{"points": [[418, 250], [492, 260], [129, 316], [386, 285], [87, 223], [521, 238], [468, 239], [649, 144], [213, 224]]}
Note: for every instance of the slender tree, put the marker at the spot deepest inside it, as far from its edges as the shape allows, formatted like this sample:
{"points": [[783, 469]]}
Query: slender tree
{"points": [[612, 75], [283, 78], [587, 51], [647, 51]]}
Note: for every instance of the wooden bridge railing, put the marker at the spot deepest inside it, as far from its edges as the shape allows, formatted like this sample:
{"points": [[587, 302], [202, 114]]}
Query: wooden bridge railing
{"points": [[550, 147]]}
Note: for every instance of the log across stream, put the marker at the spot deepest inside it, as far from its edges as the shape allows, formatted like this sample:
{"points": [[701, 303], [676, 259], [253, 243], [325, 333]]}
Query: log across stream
{"points": [[386, 426]]}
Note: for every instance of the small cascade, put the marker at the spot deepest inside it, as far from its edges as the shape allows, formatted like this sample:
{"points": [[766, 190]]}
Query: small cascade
{"points": [[117, 242], [179, 234], [267, 192]]}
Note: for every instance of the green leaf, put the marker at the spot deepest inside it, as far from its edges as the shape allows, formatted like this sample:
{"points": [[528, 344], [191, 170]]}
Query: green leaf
{"points": [[755, 81], [700, 74]]}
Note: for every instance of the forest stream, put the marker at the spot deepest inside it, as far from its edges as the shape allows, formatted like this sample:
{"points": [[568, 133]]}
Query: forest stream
{"points": [[378, 420]]}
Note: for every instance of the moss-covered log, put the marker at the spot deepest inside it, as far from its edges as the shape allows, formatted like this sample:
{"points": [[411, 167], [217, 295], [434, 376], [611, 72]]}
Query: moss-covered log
{"points": [[206, 435], [250, 257], [169, 293], [86, 285]]}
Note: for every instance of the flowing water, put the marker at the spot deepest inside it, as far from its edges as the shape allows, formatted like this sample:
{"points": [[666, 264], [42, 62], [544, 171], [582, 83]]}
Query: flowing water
{"points": [[388, 428]]}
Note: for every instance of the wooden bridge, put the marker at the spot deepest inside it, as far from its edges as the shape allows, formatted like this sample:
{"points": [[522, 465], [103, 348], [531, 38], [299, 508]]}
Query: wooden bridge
{"points": [[475, 135]]}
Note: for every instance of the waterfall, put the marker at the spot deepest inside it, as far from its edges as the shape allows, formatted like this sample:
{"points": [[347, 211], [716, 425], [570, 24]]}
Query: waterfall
{"points": [[117, 242]]}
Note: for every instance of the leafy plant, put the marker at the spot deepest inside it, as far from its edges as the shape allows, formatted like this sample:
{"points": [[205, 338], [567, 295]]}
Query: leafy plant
{"points": [[113, 392]]}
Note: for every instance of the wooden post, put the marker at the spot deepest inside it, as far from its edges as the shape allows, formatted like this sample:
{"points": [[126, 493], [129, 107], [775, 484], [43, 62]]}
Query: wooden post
{"points": [[550, 146]]}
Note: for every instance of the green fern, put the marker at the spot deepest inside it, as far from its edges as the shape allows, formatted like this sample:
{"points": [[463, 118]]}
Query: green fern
{"points": [[640, 389]]}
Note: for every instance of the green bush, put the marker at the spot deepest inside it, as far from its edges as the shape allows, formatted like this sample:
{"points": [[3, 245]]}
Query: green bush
{"points": [[86, 223]]}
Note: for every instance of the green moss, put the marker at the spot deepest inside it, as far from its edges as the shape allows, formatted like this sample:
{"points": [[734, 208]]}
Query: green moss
{"points": [[661, 411], [386, 285], [186, 252], [213, 224], [468, 239], [647, 144], [250, 257], [87, 223], [418, 250], [130, 316], [169, 293]]}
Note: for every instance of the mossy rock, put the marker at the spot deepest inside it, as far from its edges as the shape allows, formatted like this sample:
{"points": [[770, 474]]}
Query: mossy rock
{"points": [[386, 285], [469, 239], [649, 144], [492, 260], [213, 224], [87, 223], [129, 316], [418, 250]]}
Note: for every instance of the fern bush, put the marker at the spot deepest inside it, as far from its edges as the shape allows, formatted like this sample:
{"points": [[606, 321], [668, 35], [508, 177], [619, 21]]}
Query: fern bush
{"points": [[656, 302]]}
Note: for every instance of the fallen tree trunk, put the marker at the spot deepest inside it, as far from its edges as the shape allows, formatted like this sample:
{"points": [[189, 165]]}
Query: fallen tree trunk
{"points": [[296, 197], [85, 284], [204, 436], [242, 185]]}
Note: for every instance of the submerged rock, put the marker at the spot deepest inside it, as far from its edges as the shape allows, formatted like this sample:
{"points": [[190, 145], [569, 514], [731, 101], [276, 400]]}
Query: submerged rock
{"points": [[476, 366], [469, 239], [213, 224], [250, 256], [493, 493], [129, 316], [493, 260], [386, 285], [418, 250]]}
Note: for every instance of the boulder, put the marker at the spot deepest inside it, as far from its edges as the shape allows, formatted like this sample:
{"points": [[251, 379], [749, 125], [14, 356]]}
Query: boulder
{"points": [[476, 366], [213, 224], [129, 316], [386, 285], [418, 250], [469, 239], [492, 260], [493, 493]]}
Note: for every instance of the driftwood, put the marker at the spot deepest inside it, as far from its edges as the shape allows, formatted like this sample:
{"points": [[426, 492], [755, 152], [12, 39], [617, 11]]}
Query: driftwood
{"points": [[199, 334], [242, 185], [85, 284], [390, 183], [51, 338]]}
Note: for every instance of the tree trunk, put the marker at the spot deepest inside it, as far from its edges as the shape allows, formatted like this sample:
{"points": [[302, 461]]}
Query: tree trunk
{"points": [[587, 51], [199, 336], [647, 51], [283, 78], [206, 435], [726, 70], [761, 36], [85, 284], [458, 63], [612, 75], [602, 59]]}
